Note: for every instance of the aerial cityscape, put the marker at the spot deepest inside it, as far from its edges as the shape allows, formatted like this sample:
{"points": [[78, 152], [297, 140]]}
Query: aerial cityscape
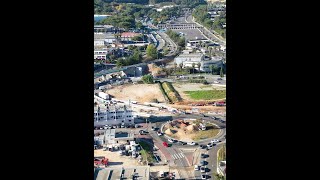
{"points": [[159, 89]]}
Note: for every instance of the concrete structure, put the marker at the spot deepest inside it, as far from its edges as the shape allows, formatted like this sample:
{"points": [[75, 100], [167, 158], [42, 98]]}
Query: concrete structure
{"points": [[118, 173], [111, 137], [100, 54], [103, 28], [113, 115], [107, 38], [188, 59]]}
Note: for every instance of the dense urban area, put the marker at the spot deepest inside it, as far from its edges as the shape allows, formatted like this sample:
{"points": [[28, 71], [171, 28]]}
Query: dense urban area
{"points": [[159, 89]]}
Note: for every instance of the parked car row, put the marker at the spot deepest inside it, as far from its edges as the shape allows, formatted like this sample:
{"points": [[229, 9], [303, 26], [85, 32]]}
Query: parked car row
{"points": [[117, 126]]}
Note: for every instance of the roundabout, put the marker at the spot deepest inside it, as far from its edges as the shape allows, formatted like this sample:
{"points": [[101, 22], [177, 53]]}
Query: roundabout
{"points": [[190, 130]]}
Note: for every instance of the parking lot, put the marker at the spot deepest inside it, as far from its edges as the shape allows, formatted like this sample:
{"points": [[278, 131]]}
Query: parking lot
{"points": [[190, 34]]}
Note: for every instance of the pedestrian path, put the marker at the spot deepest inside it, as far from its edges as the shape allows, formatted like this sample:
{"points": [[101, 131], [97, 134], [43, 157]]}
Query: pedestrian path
{"points": [[177, 156]]}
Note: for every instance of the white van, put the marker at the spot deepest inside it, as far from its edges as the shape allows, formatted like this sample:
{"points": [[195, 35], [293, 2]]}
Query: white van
{"points": [[196, 167]]}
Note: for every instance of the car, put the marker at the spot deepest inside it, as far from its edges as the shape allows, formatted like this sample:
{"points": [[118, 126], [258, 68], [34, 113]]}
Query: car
{"points": [[152, 128], [219, 79], [196, 167], [202, 162], [214, 140], [159, 133], [161, 174], [165, 144], [203, 176], [171, 140], [202, 169], [182, 143], [209, 145], [214, 118], [191, 143], [203, 155], [217, 82]]}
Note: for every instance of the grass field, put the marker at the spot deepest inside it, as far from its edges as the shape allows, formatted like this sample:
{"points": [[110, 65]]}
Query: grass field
{"points": [[205, 134], [207, 94]]}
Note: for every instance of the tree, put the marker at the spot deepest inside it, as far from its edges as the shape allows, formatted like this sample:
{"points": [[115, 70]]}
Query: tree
{"points": [[221, 72], [120, 62], [152, 51], [211, 68], [137, 38], [137, 57], [175, 66], [193, 65], [147, 79], [199, 65], [139, 25], [165, 51], [180, 65]]}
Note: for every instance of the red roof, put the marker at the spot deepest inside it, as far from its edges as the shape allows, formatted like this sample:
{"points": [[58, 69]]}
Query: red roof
{"points": [[129, 34]]}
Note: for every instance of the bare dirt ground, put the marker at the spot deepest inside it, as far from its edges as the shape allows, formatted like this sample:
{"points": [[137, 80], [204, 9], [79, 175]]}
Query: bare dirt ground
{"points": [[181, 87], [137, 92], [115, 160], [200, 108]]}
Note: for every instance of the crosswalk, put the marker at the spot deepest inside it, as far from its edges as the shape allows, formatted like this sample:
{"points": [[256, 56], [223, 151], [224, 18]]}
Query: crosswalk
{"points": [[177, 156]]}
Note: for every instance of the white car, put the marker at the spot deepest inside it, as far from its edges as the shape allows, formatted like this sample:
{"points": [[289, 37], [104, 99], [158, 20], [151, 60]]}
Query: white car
{"points": [[191, 143], [202, 169], [159, 133], [217, 82], [196, 167], [214, 140], [203, 176], [170, 140]]}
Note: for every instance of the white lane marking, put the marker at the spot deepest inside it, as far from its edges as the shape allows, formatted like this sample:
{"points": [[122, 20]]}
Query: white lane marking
{"points": [[182, 155], [173, 156]]}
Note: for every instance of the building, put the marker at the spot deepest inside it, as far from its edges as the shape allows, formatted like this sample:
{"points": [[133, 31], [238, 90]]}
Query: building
{"points": [[103, 28], [126, 36], [100, 54], [117, 173], [106, 38], [188, 59], [113, 115]]}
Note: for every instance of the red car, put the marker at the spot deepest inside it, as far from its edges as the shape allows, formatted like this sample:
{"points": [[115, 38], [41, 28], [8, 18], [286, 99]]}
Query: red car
{"points": [[165, 144]]}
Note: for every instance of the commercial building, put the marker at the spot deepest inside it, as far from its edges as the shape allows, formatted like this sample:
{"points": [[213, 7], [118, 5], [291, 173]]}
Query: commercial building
{"points": [[189, 59], [113, 115]]}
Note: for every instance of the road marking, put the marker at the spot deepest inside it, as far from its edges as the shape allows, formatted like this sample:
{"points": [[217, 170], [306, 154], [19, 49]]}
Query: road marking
{"points": [[182, 155]]}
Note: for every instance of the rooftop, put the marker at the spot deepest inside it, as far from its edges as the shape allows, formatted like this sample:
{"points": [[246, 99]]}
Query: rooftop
{"points": [[103, 35], [142, 172]]}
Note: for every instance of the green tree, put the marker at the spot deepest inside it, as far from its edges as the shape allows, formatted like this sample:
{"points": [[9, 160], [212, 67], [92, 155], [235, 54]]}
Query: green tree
{"points": [[199, 65], [180, 65], [147, 79], [211, 68], [137, 38], [139, 25], [152, 51], [120, 62], [137, 57], [221, 72], [193, 65], [165, 51], [175, 66]]}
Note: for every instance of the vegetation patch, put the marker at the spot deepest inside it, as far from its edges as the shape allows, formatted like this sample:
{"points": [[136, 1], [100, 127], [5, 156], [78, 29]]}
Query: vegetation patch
{"points": [[172, 94], [207, 94], [146, 152], [205, 134]]}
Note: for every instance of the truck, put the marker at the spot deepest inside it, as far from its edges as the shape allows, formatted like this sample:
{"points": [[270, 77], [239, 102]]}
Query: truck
{"points": [[103, 95]]}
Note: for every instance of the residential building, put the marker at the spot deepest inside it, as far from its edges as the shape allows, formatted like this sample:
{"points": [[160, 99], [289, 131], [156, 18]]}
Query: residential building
{"points": [[113, 115], [107, 38], [103, 28]]}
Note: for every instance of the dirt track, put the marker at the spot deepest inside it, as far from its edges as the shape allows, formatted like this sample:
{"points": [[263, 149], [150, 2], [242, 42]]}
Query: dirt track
{"points": [[137, 92]]}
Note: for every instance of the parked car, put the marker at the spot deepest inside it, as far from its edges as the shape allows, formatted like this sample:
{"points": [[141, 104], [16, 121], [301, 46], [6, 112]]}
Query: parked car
{"points": [[171, 140], [210, 145], [165, 144], [191, 143], [214, 118], [202, 162], [214, 140], [202, 146], [202, 169], [203, 176], [203, 155], [159, 133], [196, 167], [152, 128], [182, 143]]}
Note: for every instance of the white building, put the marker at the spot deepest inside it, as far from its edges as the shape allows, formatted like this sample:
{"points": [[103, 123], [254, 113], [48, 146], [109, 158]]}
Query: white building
{"points": [[113, 115], [188, 59], [100, 54]]}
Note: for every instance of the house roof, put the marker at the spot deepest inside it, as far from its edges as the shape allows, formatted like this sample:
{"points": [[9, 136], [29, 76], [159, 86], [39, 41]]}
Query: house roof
{"points": [[129, 34]]}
